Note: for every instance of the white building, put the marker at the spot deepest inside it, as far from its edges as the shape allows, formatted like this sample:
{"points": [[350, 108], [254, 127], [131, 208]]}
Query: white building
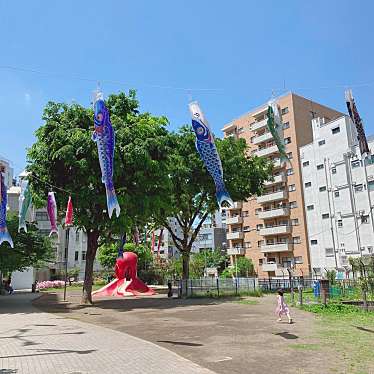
{"points": [[77, 248], [338, 194], [7, 170]]}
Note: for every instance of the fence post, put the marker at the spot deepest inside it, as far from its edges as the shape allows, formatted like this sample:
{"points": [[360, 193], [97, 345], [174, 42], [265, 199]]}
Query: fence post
{"points": [[191, 285], [218, 286], [300, 294], [236, 286], [269, 284], [254, 284]]}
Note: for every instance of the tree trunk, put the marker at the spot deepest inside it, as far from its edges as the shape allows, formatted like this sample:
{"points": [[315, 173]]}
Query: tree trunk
{"points": [[92, 244], [186, 265]]}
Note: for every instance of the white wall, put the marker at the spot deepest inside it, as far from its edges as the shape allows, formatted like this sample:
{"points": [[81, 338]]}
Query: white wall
{"points": [[342, 173]]}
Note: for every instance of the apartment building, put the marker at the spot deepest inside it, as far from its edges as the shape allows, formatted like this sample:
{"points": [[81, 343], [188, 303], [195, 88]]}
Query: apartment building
{"points": [[271, 229], [7, 171], [338, 195]]}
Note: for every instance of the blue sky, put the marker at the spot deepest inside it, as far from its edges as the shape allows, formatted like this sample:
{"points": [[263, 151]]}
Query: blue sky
{"points": [[244, 48]]}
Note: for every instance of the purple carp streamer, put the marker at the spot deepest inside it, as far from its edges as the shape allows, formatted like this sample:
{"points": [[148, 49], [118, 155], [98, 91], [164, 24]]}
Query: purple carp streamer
{"points": [[105, 139], [52, 213], [208, 153], [4, 234]]}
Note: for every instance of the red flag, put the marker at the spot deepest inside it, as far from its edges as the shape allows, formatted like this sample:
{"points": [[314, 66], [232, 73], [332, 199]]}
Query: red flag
{"points": [[69, 213]]}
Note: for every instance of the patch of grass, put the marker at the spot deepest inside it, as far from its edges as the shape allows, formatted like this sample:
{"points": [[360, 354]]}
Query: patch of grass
{"points": [[350, 331], [222, 294], [306, 347], [247, 302]]}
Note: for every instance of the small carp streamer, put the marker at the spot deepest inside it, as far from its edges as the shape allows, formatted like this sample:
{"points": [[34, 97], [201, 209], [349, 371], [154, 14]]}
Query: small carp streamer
{"points": [[52, 213], [4, 234], [208, 152], [105, 139], [24, 204]]}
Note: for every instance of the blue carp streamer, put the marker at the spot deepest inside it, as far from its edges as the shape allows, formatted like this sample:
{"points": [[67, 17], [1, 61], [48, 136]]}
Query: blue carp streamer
{"points": [[105, 139], [208, 152]]}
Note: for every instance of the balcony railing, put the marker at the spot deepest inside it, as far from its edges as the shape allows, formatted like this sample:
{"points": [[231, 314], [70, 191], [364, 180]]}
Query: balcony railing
{"points": [[236, 251], [276, 247], [262, 138], [277, 163], [259, 125], [234, 220], [270, 266], [237, 205], [235, 235], [273, 196], [273, 213], [275, 230], [281, 178], [266, 151]]}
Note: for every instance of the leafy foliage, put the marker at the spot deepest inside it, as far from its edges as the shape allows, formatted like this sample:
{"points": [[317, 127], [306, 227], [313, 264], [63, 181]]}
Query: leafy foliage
{"points": [[65, 156], [30, 249], [192, 192], [108, 254]]}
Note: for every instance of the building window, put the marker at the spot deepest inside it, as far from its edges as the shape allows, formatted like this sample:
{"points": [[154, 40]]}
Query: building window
{"points": [[260, 243], [286, 125], [340, 223], [293, 204], [308, 184], [371, 185], [365, 219], [356, 164], [310, 207], [336, 193], [329, 252], [260, 261], [322, 189], [289, 155], [359, 188], [259, 226], [336, 130], [83, 255], [284, 110], [246, 228], [305, 163], [314, 242], [294, 222], [258, 210], [247, 245], [296, 240], [322, 142], [370, 249], [292, 187], [298, 260], [245, 213], [240, 130], [41, 216], [287, 140], [325, 215], [251, 139], [76, 256], [289, 171], [320, 166], [333, 170]]}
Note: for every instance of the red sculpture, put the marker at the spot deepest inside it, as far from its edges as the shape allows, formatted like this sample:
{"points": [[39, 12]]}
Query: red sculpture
{"points": [[127, 282]]}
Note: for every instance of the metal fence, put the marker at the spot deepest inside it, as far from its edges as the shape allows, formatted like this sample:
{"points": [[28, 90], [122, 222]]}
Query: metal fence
{"points": [[217, 286]]}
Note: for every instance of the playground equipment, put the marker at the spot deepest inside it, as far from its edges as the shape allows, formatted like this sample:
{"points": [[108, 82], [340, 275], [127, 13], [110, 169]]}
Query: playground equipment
{"points": [[126, 283]]}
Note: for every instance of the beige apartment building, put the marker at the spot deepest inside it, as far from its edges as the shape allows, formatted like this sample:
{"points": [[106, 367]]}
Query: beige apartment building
{"points": [[271, 229]]}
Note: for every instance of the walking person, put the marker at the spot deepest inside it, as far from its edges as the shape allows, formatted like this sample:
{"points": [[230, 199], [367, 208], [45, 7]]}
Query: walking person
{"points": [[282, 308]]}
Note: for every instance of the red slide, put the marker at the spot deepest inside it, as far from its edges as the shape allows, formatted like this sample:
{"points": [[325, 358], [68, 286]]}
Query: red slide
{"points": [[126, 268]]}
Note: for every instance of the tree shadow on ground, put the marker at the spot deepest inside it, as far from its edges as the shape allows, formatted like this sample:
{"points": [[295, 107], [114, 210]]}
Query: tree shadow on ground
{"points": [[52, 303], [287, 335], [364, 329], [187, 344], [8, 371], [46, 352]]}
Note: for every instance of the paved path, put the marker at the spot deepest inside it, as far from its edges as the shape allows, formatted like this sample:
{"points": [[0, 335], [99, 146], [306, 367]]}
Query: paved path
{"points": [[33, 342]]}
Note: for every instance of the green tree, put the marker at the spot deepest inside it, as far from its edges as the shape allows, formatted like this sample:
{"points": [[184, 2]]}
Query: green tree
{"points": [[65, 156], [108, 254], [210, 259], [192, 193], [244, 266], [30, 249]]}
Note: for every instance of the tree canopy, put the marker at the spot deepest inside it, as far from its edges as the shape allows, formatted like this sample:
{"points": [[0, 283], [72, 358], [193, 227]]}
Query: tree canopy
{"points": [[30, 249], [192, 191], [65, 158]]}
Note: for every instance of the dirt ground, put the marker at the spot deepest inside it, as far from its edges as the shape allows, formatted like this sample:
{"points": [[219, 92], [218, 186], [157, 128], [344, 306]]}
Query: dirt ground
{"points": [[225, 336]]}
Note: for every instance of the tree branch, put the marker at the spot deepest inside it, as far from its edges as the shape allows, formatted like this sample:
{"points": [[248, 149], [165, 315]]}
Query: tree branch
{"points": [[197, 229]]}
